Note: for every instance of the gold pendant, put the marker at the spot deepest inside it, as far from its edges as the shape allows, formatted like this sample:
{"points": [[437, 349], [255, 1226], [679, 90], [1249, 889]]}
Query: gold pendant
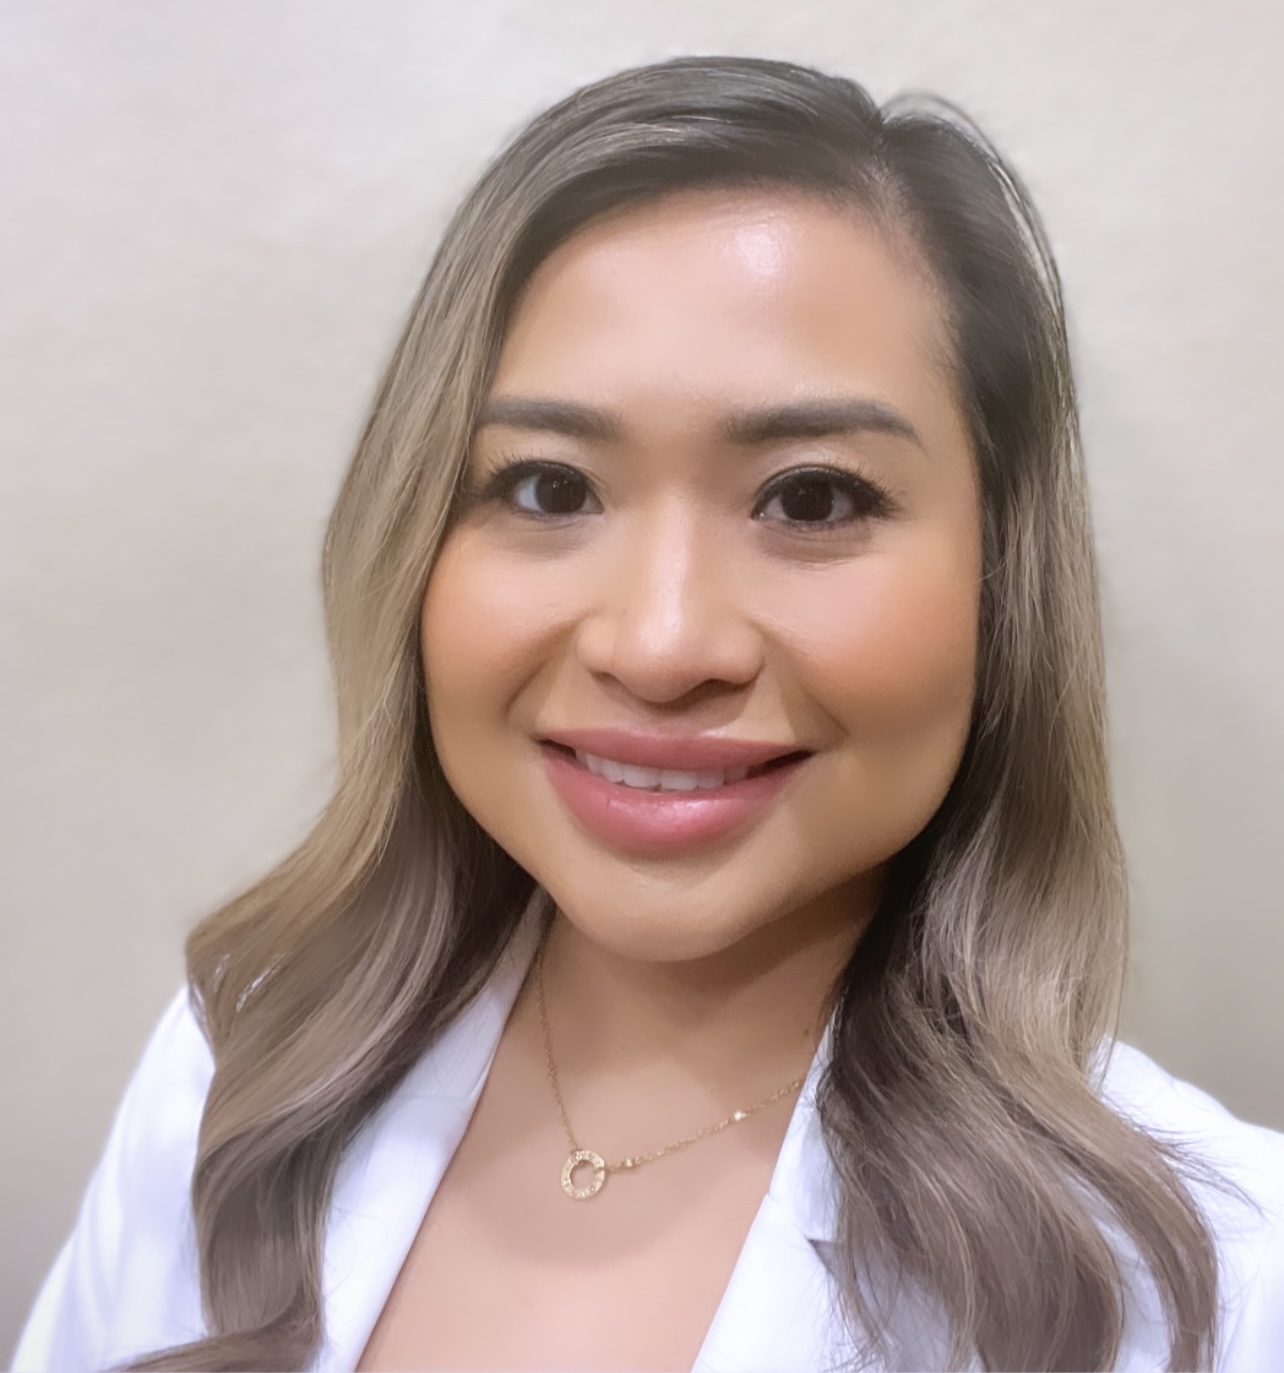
{"points": [[596, 1162]]}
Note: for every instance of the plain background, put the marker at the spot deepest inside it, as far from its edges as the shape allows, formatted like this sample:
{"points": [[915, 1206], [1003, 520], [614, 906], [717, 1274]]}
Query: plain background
{"points": [[213, 219]]}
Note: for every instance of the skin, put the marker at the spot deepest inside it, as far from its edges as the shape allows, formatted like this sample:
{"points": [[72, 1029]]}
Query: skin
{"points": [[685, 591]]}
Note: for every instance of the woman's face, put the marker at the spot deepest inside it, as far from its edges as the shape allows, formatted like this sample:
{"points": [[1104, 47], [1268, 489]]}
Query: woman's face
{"points": [[743, 531]]}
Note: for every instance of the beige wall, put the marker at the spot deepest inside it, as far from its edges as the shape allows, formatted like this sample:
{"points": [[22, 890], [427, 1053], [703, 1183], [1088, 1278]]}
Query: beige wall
{"points": [[213, 217]]}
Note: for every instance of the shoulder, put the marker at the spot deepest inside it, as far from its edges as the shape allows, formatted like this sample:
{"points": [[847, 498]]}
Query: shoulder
{"points": [[1250, 1156], [127, 1280], [161, 1109], [1235, 1171], [151, 1150]]}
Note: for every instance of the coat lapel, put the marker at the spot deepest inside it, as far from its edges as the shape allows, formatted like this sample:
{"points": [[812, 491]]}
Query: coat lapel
{"points": [[779, 1310], [396, 1163], [782, 1308]]}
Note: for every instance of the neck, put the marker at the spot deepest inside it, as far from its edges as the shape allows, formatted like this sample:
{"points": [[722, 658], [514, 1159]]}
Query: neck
{"points": [[734, 1024]]}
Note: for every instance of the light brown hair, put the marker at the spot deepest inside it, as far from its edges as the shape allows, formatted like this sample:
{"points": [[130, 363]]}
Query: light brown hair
{"points": [[976, 1163]]}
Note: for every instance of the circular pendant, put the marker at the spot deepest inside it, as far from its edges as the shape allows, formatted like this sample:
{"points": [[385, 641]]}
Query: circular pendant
{"points": [[596, 1162]]}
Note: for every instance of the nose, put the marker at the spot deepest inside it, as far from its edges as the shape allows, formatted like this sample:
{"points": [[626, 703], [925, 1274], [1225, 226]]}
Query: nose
{"points": [[670, 615]]}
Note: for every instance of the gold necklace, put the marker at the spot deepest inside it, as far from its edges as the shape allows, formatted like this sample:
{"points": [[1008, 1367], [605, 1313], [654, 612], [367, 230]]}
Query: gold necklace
{"points": [[594, 1160]]}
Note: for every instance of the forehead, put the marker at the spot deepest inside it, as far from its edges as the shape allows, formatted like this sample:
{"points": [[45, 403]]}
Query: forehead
{"points": [[728, 292]]}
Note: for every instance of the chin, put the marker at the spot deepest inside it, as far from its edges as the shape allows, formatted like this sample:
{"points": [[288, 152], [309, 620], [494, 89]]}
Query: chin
{"points": [[681, 920], [649, 938]]}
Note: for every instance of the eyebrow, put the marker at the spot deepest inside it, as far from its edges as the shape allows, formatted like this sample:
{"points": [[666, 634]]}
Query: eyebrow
{"points": [[809, 419]]}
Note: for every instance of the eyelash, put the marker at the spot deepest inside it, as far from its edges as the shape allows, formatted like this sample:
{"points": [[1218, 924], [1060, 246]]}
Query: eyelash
{"points": [[869, 501]]}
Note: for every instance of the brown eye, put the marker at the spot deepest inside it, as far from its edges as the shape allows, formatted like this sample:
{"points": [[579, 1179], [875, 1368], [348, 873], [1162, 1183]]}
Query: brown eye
{"points": [[822, 497], [539, 488]]}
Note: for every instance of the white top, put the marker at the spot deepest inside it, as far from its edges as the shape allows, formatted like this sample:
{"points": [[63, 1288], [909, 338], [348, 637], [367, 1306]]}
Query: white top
{"points": [[126, 1281]]}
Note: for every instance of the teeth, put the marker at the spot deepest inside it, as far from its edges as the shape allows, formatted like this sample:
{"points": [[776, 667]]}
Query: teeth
{"points": [[659, 779], [673, 780], [613, 772]]}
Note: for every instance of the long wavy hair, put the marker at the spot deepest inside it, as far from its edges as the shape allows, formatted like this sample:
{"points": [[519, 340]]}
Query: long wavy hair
{"points": [[976, 1162]]}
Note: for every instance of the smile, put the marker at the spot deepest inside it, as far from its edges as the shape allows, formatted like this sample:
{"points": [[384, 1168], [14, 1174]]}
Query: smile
{"points": [[659, 779], [657, 812]]}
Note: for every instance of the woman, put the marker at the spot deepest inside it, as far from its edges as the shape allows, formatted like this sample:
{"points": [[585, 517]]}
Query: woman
{"points": [[710, 952]]}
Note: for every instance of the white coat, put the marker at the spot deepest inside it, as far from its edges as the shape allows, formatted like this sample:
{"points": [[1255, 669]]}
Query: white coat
{"points": [[126, 1280]]}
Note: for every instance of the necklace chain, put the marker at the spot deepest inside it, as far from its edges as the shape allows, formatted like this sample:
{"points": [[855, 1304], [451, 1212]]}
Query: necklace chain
{"points": [[600, 1167]]}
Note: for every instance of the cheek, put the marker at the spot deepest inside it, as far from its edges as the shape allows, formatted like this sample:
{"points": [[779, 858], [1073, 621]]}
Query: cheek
{"points": [[888, 649], [485, 628], [468, 642], [910, 656]]}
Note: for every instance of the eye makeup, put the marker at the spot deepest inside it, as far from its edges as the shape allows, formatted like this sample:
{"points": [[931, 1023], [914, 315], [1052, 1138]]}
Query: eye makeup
{"points": [[807, 496]]}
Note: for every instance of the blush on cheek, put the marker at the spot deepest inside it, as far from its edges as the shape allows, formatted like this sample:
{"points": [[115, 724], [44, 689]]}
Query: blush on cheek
{"points": [[491, 608], [466, 628], [916, 670], [455, 653], [901, 679], [896, 641], [482, 639]]}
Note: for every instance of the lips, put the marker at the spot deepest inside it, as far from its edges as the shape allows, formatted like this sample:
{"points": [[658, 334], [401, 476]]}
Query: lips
{"points": [[603, 779]]}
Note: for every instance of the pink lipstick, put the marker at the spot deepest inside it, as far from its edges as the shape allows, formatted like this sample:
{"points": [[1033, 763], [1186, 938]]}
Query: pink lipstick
{"points": [[658, 794]]}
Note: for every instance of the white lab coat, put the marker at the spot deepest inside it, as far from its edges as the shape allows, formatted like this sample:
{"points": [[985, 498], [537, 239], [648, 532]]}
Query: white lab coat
{"points": [[126, 1280]]}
